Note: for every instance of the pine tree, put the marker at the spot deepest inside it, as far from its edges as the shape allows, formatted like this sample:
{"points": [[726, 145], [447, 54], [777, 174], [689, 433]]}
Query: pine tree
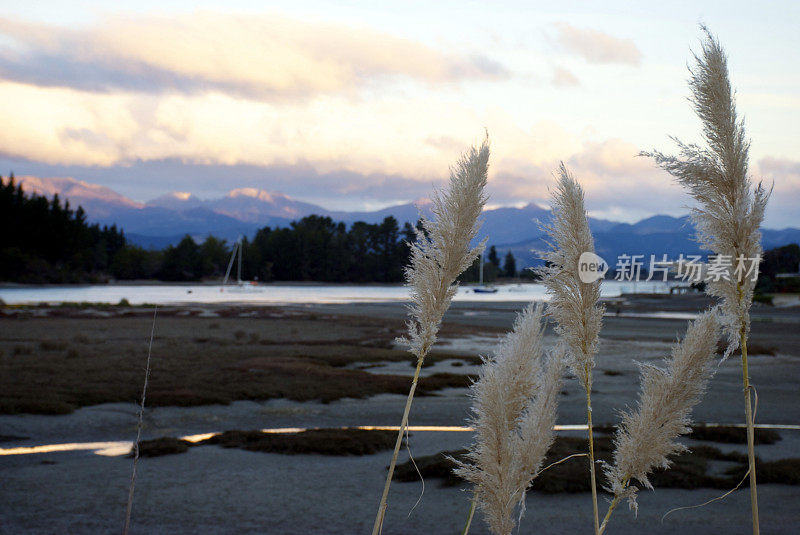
{"points": [[510, 266], [493, 258]]}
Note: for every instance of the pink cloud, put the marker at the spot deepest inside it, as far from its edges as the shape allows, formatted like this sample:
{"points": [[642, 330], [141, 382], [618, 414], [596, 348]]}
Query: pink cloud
{"points": [[623, 186], [597, 47], [267, 57]]}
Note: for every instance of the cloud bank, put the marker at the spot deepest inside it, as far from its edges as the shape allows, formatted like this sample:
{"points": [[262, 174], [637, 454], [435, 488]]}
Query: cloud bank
{"points": [[263, 57], [340, 115], [619, 186]]}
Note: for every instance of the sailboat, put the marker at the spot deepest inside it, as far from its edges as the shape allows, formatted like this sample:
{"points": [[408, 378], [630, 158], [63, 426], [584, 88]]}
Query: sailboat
{"points": [[481, 288], [241, 286]]}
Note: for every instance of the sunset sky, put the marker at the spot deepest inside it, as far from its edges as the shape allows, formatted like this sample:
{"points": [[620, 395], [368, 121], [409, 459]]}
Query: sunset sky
{"points": [[358, 105]]}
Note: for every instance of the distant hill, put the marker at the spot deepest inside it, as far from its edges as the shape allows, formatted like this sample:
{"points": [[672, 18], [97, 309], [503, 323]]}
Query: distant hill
{"points": [[654, 225], [408, 212], [98, 201], [262, 207], [671, 236], [176, 200], [164, 220], [153, 221]]}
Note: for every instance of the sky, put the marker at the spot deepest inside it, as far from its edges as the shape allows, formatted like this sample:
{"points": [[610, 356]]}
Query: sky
{"points": [[360, 105]]}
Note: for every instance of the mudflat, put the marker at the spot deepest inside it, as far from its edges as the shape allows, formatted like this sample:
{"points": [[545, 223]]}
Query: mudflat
{"points": [[73, 375]]}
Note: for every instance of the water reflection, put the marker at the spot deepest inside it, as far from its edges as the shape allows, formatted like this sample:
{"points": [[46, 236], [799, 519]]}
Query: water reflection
{"points": [[118, 448]]}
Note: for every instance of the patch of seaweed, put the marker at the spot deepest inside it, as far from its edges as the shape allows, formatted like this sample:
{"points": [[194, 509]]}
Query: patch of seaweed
{"points": [[319, 441], [733, 435], [689, 470], [330, 441], [162, 446]]}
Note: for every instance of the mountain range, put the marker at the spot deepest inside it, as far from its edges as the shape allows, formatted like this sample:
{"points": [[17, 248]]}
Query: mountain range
{"points": [[165, 220]]}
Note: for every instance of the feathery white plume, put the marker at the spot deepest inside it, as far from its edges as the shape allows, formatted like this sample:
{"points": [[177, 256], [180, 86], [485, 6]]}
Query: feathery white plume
{"points": [[442, 250], [645, 438], [729, 214], [573, 304], [514, 406], [730, 208]]}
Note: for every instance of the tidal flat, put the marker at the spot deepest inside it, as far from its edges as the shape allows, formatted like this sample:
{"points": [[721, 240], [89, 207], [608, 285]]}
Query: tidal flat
{"points": [[72, 375]]}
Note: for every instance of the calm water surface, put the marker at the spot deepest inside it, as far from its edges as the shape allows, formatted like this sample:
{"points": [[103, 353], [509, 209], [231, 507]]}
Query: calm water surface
{"points": [[278, 294]]}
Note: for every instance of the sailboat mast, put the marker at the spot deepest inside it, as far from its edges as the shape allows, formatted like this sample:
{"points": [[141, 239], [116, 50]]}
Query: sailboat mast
{"points": [[239, 271], [481, 271], [230, 263]]}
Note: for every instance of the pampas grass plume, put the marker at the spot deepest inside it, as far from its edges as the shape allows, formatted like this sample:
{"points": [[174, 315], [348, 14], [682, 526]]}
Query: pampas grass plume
{"points": [[514, 406], [730, 208], [573, 303], [442, 250], [645, 438], [441, 253]]}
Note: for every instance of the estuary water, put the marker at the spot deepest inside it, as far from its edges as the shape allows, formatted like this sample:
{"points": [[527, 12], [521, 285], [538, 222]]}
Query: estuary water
{"points": [[277, 294]]}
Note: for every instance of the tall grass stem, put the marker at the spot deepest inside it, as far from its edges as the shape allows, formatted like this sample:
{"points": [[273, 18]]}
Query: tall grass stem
{"points": [[376, 528], [139, 425], [441, 252], [751, 456], [613, 505], [730, 207], [574, 303], [472, 507], [591, 459]]}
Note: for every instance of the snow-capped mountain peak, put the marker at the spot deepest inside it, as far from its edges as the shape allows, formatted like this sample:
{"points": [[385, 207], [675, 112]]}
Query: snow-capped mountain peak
{"points": [[77, 191], [259, 194], [176, 200]]}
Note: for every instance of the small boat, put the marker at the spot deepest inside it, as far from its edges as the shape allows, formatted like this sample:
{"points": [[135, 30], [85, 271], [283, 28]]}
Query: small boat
{"points": [[241, 286], [485, 290]]}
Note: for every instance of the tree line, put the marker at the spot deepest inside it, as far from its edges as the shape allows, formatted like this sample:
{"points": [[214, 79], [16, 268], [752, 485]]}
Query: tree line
{"points": [[314, 248], [44, 240], [776, 266]]}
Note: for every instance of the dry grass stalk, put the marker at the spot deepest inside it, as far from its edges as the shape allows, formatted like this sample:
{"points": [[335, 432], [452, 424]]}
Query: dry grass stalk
{"points": [[139, 425], [645, 438], [730, 207], [573, 303], [514, 405], [440, 254]]}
